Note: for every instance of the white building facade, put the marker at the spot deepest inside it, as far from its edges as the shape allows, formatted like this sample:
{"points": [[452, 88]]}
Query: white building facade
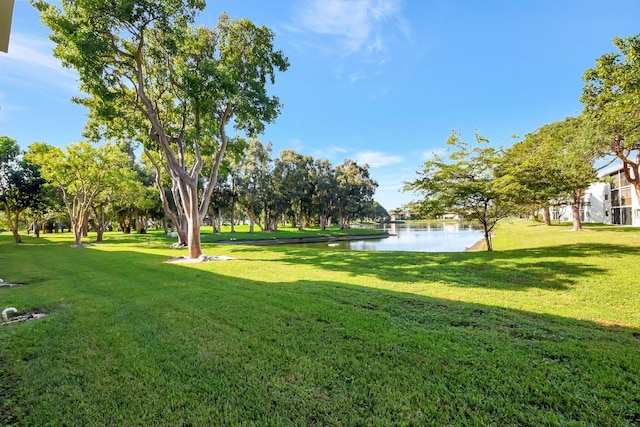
{"points": [[612, 201]]}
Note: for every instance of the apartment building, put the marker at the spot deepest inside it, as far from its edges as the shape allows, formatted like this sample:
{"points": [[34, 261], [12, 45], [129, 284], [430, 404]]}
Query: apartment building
{"points": [[613, 201]]}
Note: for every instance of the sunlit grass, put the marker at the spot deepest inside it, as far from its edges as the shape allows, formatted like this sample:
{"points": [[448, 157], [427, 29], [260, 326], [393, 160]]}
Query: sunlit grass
{"points": [[286, 335]]}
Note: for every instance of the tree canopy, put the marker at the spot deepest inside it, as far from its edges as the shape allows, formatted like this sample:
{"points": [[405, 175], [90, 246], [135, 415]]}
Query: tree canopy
{"points": [[552, 165], [611, 98], [464, 183], [82, 173], [152, 76], [20, 184]]}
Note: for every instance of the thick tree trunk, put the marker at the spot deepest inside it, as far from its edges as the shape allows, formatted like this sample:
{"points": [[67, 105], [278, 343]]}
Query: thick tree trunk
{"points": [[193, 237], [141, 225], [192, 214], [323, 222], [575, 210], [85, 224], [77, 233], [547, 215]]}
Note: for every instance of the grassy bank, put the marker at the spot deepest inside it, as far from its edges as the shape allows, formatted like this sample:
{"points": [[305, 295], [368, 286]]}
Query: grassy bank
{"points": [[544, 331]]}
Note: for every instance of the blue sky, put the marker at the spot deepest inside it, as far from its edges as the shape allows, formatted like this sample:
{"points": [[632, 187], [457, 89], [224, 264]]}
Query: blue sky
{"points": [[380, 81]]}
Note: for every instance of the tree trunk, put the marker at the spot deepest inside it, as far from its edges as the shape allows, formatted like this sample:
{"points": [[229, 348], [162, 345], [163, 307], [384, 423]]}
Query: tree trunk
{"points": [[233, 216], [487, 239], [77, 232], [487, 234], [192, 214], [36, 227], [13, 223], [547, 215], [575, 210], [99, 213], [141, 225], [85, 224], [323, 222]]}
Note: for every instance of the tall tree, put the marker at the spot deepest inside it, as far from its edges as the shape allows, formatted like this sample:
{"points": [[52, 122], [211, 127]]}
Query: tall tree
{"points": [[464, 183], [254, 180], [611, 98], [292, 180], [325, 190], [152, 76], [554, 163], [355, 190], [20, 184], [82, 173]]}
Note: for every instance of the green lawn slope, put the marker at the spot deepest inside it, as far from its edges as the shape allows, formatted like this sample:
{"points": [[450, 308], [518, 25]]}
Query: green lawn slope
{"points": [[543, 331]]}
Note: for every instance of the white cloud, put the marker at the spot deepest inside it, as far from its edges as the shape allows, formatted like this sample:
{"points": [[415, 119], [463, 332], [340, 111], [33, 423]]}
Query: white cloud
{"points": [[356, 26], [30, 61], [377, 158], [329, 152]]}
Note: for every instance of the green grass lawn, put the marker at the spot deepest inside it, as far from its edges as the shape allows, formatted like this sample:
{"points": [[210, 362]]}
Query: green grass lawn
{"points": [[543, 331]]}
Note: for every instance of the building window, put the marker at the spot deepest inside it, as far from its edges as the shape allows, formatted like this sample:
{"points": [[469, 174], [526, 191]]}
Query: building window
{"points": [[615, 198], [625, 196], [637, 213]]}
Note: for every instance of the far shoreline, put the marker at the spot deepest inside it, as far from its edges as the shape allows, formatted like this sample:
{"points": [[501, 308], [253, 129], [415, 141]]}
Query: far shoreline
{"points": [[310, 239]]}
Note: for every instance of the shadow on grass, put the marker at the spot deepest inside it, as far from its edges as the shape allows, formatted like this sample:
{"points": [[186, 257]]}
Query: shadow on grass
{"points": [[137, 340], [556, 268]]}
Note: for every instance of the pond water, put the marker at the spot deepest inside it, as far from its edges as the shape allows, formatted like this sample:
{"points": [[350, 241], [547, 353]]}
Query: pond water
{"points": [[415, 237]]}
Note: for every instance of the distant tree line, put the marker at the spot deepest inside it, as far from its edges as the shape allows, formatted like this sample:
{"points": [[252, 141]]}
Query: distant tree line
{"points": [[83, 187], [293, 188]]}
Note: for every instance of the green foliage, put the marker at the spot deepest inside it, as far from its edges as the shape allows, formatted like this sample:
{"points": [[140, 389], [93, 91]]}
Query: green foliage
{"points": [[84, 175], [611, 98], [355, 192], [21, 186], [291, 179], [152, 77], [323, 176], [549, 167], [464, 184], [380, 214], [9, 150], [254, 180]]}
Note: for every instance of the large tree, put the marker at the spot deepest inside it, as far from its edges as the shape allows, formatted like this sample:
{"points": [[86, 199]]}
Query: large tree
{"points": [[552, 164], [82, 173], [20, 184], [464, 183], [254, 180], [611, 98], [292, 181], [325, 190], [151, 75], [354, 193]]}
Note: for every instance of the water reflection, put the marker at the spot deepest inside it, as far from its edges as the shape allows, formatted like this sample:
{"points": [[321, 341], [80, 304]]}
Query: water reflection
{"points": [[416, 237]]}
